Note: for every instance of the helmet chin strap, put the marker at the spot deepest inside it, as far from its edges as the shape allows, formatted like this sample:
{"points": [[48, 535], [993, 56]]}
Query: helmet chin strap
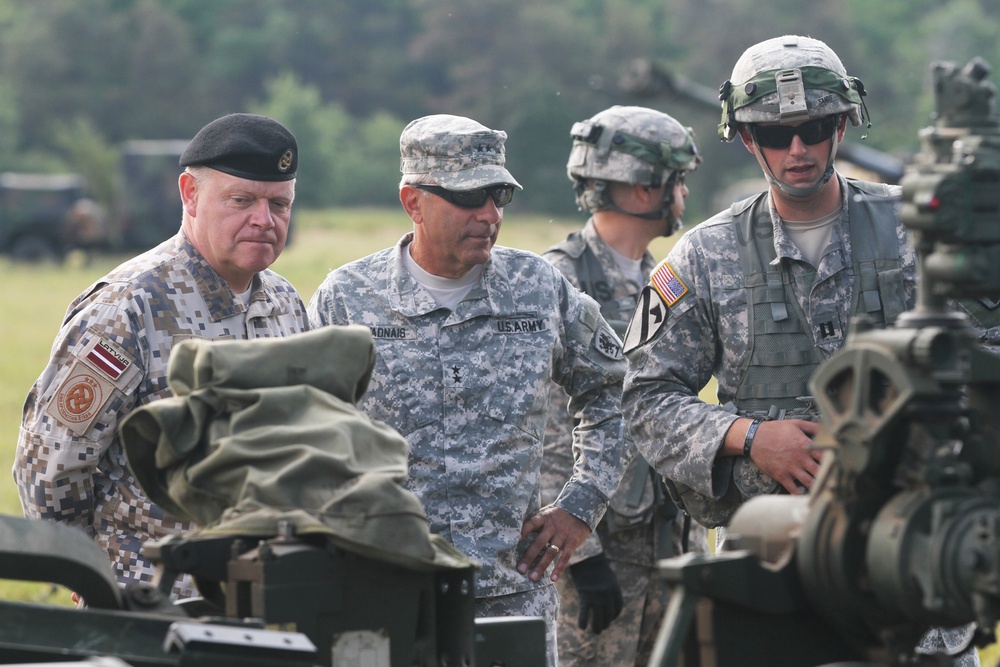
{"points": [[665, 212], [599, 199], [807, 191]]}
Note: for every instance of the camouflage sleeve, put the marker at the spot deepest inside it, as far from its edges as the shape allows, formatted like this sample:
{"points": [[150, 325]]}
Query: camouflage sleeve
{"points": [[557, 460], [72, 413], [677, 432], [590, 370]]}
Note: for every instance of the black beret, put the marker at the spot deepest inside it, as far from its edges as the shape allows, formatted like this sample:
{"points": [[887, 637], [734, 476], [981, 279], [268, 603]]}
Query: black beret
{"points": [[245, 145]]}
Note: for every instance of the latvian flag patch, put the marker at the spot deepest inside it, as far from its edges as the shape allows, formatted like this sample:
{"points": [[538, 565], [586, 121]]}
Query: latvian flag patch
{"points": [[667, 284], [105, 359]]}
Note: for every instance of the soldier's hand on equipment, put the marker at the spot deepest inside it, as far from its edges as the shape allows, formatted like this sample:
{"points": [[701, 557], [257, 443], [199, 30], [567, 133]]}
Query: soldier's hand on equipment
{"points": [[781, 450], [599, 591], [558, 534]]}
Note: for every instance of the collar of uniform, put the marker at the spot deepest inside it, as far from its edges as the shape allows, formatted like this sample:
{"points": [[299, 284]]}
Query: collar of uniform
{"points": [[403, 292], [840, 234], [220, 300], [785, 247], [621, 285], [406, 297]]}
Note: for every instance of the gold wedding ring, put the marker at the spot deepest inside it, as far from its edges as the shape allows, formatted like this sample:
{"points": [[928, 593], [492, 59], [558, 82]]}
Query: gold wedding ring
{"points": [[554, 548]]}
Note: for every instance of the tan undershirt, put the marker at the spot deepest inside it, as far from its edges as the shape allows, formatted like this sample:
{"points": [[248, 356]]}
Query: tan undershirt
{"points": [[811, 236]]}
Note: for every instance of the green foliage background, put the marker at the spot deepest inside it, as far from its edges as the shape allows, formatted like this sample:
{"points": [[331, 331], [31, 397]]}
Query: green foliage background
{"points": [[346, 76]]}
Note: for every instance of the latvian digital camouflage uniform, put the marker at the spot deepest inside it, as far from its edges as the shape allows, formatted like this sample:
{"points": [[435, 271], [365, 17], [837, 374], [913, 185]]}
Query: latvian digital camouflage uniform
{"points": [[642, 524], [110, 357], [467, 388]]}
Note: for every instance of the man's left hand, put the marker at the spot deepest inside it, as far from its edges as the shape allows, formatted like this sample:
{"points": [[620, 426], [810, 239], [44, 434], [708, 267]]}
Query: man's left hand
{"points": [[557, 535]]}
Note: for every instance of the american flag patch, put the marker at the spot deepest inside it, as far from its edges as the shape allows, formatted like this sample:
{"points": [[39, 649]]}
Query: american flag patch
{"points": [[106, 360], [667, 284]]}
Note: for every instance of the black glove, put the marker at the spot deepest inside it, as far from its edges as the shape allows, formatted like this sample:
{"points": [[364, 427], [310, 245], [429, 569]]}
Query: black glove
{"points": [[599, 592]]}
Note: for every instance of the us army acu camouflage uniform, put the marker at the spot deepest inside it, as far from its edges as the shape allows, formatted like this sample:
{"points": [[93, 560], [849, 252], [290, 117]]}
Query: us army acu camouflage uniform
{"points": [[695, 324], [467, 390], [111, 356], [629, 542]]}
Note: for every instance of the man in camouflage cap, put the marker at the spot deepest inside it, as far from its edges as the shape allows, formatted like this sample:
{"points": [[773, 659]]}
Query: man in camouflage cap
{"points": [[211, 280], [468, 334], [761, 294], [627, 165]]}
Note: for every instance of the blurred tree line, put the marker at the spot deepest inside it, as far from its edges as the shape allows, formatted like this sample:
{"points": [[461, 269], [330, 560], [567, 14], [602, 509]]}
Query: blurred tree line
{"points": [[79, 78]]}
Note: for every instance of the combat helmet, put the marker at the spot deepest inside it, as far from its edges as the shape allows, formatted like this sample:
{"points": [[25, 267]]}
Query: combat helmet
{"points": [[786, 79], [789, 79], [628, 144]]}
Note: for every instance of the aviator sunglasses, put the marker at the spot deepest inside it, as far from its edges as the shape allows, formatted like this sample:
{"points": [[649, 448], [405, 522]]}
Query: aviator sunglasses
{"points": [[780, 136], [502, 194]]}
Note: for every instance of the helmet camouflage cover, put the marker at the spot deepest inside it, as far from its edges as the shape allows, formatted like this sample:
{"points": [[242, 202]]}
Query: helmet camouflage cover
{"points": [[633, 145], [786, 79]]}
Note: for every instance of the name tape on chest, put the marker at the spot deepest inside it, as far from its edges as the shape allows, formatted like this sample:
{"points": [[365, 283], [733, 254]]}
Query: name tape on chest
{"points": [[389, 332], [521, 325]]}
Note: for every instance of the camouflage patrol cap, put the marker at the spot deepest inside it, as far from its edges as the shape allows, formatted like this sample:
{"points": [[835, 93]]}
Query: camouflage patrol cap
{"points": [[245, 145], [457, 152], [786, 79]]}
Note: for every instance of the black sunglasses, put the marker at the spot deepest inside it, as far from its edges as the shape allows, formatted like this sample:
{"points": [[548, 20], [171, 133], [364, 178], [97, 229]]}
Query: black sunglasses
{"points": [[501, 194], [780, 136]]}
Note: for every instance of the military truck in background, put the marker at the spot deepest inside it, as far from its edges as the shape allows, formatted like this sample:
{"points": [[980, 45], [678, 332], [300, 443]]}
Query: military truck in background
{"points": [[44, 216]]}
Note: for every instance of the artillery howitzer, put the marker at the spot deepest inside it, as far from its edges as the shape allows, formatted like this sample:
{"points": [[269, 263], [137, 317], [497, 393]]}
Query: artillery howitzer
{"points": [[901, 532]]}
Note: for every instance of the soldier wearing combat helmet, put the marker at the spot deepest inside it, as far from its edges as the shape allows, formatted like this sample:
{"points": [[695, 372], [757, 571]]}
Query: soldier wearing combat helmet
{"points": [[762, 293], [627, 165], [468, 335], [631, 146]]}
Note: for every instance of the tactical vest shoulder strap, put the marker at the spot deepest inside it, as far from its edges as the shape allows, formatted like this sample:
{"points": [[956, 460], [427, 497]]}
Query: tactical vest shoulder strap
{"points": [[878, 288], [588, 270], [573, 246]]}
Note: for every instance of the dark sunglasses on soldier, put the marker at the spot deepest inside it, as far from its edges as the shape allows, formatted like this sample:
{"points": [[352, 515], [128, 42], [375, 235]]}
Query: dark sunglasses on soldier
{"points": [[780, 136], [501, 194]]}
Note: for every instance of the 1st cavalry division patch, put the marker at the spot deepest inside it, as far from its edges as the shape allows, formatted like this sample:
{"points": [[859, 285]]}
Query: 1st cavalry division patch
{"points": [[648, 318]]}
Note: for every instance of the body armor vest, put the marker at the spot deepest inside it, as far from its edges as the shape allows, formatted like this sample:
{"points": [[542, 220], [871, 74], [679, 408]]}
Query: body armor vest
{"points": [[592, 279], [782, 343], [782, 353]]}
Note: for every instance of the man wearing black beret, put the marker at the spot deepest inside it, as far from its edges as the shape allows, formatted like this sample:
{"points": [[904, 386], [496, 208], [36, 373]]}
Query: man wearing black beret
{"points": [[211, 280]]}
